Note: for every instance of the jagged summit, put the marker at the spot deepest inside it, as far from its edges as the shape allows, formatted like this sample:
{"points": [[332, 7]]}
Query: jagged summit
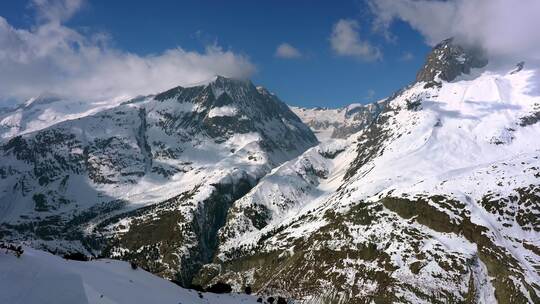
{"points": [[237, 90], [216, 83], [220, 80], [448, 60], [217, 79], [226, 105]]}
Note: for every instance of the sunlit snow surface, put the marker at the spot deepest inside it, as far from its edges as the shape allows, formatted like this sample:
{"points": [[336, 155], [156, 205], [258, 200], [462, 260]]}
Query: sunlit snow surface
{"points": [[40, 277], [464, 140], [44, 111], [463, 132]]}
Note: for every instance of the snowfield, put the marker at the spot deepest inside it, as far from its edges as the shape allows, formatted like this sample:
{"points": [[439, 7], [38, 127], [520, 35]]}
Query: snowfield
{"points": [[458, 132], [44, 111], [222, 111], [40, 277]]}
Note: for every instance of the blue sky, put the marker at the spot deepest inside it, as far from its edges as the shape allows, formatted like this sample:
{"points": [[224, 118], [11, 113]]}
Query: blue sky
{"points": [[320, 76]]}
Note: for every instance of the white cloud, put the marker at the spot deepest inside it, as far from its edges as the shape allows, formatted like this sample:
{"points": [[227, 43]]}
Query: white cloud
{"points": [[51, 57], [345, 41], [287, 51], [56, 10], [505, 28]]}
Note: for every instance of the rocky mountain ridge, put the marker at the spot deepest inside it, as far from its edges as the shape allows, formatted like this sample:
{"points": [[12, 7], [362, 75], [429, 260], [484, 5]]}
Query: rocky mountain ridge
{"points": [[436, 201], [168, 163]]}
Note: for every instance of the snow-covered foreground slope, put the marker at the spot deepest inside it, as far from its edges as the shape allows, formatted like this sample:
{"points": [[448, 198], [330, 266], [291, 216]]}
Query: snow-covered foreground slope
{"points": [[437, 201], [40, 277], [149, 180], [339, 123]]}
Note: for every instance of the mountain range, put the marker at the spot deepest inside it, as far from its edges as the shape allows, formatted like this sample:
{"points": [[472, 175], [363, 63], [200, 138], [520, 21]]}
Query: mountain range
{"points": [[431, 195]]}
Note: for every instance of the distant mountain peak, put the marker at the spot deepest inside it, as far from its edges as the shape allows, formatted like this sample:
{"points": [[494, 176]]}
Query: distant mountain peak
{"points": [[329, 123], [236, 88]]}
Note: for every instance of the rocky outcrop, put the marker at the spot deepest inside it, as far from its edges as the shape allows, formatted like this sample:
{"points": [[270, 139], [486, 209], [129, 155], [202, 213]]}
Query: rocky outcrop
{"points": [[448, 60]]}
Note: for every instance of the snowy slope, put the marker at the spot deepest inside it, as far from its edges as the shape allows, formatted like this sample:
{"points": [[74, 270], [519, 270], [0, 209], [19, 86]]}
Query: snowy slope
{"points": [[46, 110], [464, 126], [329, 123], [40, 277], [437, 201], [177, 159], [296, 187]]}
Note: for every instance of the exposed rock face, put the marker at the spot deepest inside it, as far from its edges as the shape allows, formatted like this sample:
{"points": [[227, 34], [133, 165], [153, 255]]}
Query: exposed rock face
{"points": [[449, 60], [149, 180]]}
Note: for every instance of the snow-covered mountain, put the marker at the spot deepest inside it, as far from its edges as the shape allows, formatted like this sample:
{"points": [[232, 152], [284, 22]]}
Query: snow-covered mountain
{"points": [[46, 110], [329, 123], [40, 277], [434, 197], [436, 201], [149, 180]]}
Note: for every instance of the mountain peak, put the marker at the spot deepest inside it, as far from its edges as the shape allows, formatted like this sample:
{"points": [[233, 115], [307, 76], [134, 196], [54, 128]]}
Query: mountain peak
{"points": [[222, 84], [218, 79], [449, 59], [234, 87]]}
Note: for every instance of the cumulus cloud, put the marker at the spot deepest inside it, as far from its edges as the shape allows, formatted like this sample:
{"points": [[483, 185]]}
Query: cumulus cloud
{"points": [[505, 28], [345, 41], [287, 51], [51, 57]]}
